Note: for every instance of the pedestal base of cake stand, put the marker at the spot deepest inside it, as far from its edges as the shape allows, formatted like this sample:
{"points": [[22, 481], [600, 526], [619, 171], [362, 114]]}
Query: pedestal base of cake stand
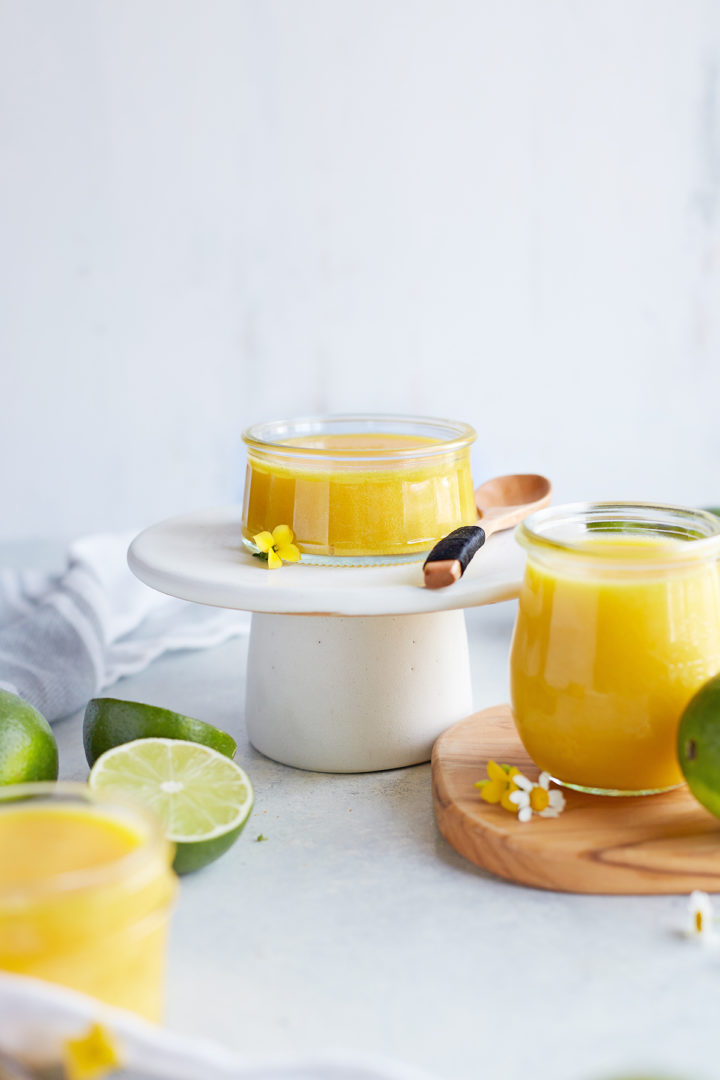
{"points": [[355, 694]]}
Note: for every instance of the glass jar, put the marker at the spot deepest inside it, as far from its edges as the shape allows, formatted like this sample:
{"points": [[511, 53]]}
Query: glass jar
{"points": [[86, 889], [618, 625], [359, 488]]}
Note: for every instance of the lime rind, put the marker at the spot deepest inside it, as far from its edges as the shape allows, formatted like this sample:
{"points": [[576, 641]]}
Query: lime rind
{"points": [[110, 722]]}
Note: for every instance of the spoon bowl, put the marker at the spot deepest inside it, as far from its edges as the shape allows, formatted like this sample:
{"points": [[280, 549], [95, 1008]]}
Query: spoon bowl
{"points": [[506, 500]]}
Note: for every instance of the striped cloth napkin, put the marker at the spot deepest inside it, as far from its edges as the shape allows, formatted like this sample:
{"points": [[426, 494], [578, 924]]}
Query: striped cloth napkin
{"points": [[65, 638]]}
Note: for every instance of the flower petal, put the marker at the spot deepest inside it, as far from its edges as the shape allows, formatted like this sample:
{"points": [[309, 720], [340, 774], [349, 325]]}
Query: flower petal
{"points": [[524, 813], [282, 536], [263, 541], [544, 780], [496, 772], [557, 800], [520, 798], [506, 801], [492, 791], [289, 553], [699, 899], [274, 560], [522, 782]]}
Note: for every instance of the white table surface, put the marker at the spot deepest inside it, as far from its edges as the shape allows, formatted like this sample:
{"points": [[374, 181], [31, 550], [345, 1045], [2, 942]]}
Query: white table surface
{"points": [[356, 926]]}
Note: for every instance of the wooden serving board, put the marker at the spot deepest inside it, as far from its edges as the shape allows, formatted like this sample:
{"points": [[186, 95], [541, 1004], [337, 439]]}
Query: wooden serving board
{"points": [[599, 844]]}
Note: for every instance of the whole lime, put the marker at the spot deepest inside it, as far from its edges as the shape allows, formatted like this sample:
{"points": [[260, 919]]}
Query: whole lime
{"points": [[110, 722], [699, 745], [28, 750]]}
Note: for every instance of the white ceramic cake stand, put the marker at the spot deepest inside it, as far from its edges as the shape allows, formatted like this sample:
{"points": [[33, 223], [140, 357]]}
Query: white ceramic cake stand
{"points": [[349, 669]]}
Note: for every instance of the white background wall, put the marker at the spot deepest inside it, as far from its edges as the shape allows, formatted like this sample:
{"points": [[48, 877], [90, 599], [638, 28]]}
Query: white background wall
{"points": [[219, 211]]}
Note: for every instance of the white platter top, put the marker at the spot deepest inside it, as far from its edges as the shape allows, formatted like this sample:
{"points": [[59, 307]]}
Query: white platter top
{"points": [[200, 557]]}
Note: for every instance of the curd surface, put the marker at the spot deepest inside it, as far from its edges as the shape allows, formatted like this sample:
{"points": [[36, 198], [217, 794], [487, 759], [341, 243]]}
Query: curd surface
{"points": [[84, 901], [374, 498], [605, 658]]}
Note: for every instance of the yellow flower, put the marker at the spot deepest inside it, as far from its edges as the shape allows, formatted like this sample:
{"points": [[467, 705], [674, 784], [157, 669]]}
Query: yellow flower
{"points": [[499, 785], [92, 1055], [278, 546]]}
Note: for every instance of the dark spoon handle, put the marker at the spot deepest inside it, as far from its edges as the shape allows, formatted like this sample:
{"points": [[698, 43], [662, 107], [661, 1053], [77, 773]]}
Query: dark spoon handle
{"points": [[450, 557]]}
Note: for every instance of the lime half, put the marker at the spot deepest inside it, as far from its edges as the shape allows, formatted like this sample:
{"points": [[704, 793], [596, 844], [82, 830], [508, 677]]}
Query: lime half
{"points": [[110, 722], [202, 797]]}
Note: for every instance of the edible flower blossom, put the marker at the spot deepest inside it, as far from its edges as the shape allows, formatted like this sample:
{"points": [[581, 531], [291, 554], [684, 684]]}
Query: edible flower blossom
{"points": [[277, 546], [701, 923], [92, 1055], [499, 785], [536, 798]]}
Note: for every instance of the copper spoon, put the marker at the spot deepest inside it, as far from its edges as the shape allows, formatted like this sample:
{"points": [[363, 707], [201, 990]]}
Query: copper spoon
{"points": [[501, 503]]}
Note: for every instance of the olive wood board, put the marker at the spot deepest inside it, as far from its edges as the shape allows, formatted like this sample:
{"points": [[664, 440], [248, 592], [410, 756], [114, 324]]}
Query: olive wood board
{"points": [[599, 844]]}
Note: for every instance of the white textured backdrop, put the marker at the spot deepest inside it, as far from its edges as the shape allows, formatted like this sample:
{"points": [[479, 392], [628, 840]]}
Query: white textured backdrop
{"points": [[218, 211]]}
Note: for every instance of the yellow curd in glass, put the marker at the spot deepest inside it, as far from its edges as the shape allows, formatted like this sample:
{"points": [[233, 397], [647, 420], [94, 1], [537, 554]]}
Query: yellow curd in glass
{"points": [[367, 503], [84, 901], [603, 663]]}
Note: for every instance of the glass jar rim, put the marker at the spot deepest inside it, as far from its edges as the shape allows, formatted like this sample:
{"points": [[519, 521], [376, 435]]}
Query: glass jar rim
{"points": [[124, 867], [450, 435], [697, 529]]}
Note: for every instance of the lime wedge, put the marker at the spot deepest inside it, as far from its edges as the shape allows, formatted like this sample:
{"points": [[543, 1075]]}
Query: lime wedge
{"points": [[202, 797], [110, 722]]}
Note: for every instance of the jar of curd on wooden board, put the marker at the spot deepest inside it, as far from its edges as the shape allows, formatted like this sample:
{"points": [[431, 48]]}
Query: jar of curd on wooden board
{"points": [[86, 888], [618, 625], [359, 489]]}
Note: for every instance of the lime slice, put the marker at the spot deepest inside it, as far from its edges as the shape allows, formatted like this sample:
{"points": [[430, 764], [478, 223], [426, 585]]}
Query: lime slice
{"points": [[110, 722], [28, 751], [699, 745], [202, 797]]}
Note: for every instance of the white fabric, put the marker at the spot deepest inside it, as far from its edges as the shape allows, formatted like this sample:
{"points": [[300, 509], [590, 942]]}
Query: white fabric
{"points": [[66, 638], [36, 1018]]}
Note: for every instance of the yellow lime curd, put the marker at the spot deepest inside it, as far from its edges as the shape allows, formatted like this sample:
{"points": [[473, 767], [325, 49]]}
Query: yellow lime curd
{"points": [[85, 894], [358, 493], [615, 632]]}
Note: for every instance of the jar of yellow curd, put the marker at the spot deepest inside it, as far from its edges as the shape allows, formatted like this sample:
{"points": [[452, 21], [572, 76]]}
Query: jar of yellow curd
{"points": [[86, 888], [359, 488], [618, 625]]}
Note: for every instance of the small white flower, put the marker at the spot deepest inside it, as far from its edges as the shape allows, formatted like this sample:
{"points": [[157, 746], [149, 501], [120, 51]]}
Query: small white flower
{"points": [[702, 919], [522, 801], [536, 798]]}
